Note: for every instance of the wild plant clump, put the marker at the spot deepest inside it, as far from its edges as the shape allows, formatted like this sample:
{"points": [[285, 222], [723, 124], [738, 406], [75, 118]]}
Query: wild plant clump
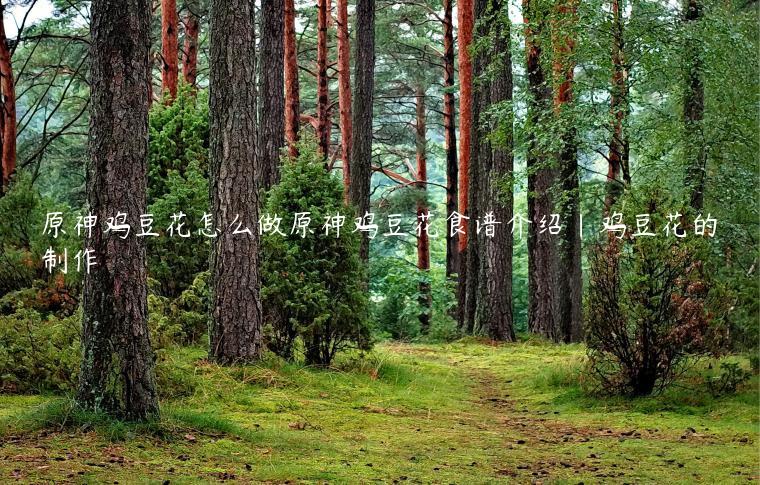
{"points": [[38, 353], [646, 312], [313, 287]]}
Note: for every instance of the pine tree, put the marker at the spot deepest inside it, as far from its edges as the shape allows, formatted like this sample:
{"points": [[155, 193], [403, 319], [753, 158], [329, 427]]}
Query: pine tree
{"points": [[236, 314], [364, 85], [271, 130], [117, 364]]}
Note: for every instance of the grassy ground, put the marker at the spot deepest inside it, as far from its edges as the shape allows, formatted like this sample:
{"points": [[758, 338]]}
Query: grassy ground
{"points": [[460, 413]]}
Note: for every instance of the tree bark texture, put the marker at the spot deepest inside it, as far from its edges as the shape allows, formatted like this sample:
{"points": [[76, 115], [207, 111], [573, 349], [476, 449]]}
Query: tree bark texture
{"points": [[542, 176], [236, 315], [344, 94], [450, 136], [190, 45], [568, 312], [364, 86], [694, 107], [423, 240], [169, 48], [292, 89], [465, 21], [618, 173], [323, 94], [492, 139], [8, 116], [117, 363], [271, 127]]}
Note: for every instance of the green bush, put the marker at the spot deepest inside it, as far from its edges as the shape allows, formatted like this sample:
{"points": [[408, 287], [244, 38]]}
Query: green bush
{"points": [[22, 242], [396, 304], [312, 287], [38, 353], [728, 381], [178, 182], [182, 320], [648, 305]]}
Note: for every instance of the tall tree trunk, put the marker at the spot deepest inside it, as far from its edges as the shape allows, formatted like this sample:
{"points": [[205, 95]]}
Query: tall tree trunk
{"points": [[8, 116], [423, 241], [618, 173], [344, 94], [450, 136], [568, 312], [190, 48], [694, 107], [271, 126], [292, 95], [169, 48], [323, 95], [494, 156], [465, 14], [542, 177], [117, 364], [236, 317], [364, 86]]}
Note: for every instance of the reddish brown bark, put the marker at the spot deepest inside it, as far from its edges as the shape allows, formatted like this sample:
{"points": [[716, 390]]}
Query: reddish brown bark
{"points": [[169, 47], [190, 48], [8, 116], [450, 135], [618, 155], [292, 96], [568, 295], [344, 94], [323, 95], [465, 17], [423, 241]]}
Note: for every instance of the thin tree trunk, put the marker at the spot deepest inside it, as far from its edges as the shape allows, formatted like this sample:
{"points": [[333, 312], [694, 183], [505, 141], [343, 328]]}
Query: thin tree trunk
{"points": [[271, 126], [344, 94], [169, 48], [494, 293], [8, 116], [568, 313], [542, 177], [364, 84], [323, 95], [117, 362], [423, 241], [465, 14], [694, 108], [236, 316], [450, 136], [190, 48], [292, 96], [618, 174]]}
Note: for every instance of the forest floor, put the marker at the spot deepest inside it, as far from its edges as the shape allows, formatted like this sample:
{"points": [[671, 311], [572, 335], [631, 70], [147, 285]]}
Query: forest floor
{"points": [[466, 412]]}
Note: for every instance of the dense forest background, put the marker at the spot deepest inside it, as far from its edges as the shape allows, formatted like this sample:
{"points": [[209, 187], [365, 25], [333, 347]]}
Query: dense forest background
{"points": [[196, 111]]}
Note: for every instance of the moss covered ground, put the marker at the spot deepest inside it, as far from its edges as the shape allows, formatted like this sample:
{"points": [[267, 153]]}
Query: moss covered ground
{"points": [[466, 412]]}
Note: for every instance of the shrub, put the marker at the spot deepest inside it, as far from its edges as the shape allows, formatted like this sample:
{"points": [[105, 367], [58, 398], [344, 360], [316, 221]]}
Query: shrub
{"points": [[22, 242], [312, 287], [38, 353], [646, 312], [727, 382], [178, 166], [397, 303]]}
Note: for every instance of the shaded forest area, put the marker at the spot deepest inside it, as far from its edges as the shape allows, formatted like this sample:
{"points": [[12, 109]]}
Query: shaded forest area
{"points": [[422, 240]]}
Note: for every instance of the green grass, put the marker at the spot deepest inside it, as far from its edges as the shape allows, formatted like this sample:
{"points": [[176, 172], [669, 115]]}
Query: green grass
{"points": [[466, 412]]}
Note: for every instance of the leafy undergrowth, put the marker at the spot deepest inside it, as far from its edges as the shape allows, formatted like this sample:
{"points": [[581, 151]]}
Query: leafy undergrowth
{"points": [[466, 412]]}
